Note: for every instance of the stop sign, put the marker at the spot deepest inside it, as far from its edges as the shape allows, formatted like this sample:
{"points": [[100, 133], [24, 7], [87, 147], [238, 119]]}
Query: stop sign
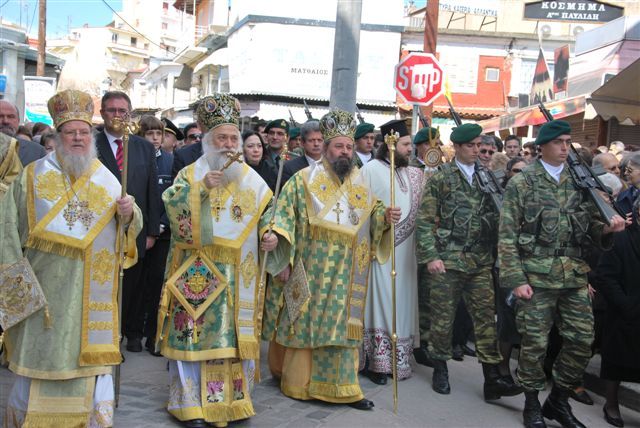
{"points": [[419, 78]]}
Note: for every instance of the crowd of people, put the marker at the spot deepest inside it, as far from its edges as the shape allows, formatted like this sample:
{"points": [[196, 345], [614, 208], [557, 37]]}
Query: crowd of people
{"points": [[283, 234]]}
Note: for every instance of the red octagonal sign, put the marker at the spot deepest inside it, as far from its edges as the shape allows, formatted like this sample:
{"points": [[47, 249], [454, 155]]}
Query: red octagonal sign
{"points": [[419, 78]]}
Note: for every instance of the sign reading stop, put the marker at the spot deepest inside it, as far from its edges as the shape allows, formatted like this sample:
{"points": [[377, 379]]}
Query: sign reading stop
{"points": [[419, 78]]}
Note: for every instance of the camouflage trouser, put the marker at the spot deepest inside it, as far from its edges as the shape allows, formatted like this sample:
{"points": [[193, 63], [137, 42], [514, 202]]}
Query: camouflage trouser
{"points": [[423, 303], [445, 290], [570, 308]]}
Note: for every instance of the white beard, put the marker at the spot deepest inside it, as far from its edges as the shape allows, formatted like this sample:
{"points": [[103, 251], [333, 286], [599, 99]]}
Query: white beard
{"points": [[218, 158], [73, 164]]}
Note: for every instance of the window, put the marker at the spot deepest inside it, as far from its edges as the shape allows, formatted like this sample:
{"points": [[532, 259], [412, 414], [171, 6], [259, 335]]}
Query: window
{"points": [[164, 26], [134, 41], [146, 46], [114, 37], [492, 74], [165, 5]]}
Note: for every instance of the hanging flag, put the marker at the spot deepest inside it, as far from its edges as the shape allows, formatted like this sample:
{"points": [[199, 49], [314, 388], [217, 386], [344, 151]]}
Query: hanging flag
{"points": [[560, 71], [541, 87]]}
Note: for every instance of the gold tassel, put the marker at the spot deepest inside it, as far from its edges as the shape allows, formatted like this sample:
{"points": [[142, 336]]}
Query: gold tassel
{"points": [[48, 322], [63, 250], [322, 234], [195, 332]]}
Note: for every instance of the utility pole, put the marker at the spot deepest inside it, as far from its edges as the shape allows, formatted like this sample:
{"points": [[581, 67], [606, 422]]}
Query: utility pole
{"points": [[430, 42], [42, 36], [346, 47]]}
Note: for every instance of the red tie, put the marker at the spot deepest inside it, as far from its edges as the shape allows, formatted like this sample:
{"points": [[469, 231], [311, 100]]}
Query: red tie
{"points": [[119, 154]]}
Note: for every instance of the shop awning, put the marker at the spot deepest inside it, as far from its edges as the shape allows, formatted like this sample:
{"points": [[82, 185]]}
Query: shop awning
{"points": [[532, 116], [619, 97]]}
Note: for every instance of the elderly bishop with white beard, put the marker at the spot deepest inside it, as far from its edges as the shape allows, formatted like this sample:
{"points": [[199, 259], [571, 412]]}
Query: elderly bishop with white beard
{"points": [[61, 214], [209, 312]]}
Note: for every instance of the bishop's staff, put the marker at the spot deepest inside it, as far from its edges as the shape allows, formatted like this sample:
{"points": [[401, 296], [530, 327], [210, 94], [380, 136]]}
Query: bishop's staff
{"points": [[126, 127], [265, 253], [390, 140]]}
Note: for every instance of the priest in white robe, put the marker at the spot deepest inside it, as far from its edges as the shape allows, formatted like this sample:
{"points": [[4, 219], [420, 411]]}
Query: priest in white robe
{"points": [[378, 319]]}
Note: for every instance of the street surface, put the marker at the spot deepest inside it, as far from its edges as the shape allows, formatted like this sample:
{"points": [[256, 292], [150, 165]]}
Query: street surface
{"points": [[144, 393]]}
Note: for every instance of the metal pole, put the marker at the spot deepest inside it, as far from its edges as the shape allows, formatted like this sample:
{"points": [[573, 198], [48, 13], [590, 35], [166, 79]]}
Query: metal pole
{"points": [[42, 37], [344, 77]]}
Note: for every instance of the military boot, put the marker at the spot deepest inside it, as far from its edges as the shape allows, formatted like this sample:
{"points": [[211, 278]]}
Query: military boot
{"points": [[496, 385], [557, 407], [532, 414], [440, 380]]}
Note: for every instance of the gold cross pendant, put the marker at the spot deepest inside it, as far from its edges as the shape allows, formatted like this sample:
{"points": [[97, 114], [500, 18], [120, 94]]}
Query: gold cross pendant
{"points": [[338, 211]]}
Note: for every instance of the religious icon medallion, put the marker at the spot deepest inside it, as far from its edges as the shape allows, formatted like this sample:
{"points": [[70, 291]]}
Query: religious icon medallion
{"points": [[354, 219], [236, 213], [78, 211], [433, 157]]}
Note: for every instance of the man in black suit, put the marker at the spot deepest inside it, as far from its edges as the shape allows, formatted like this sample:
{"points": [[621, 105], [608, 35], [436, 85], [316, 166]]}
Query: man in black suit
{"points": [[190, 153], [311, 144], [142, 184], [28, 151]]}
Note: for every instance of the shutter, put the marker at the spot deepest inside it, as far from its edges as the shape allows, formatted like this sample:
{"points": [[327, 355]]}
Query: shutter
{"points": [[584, 132], [628, 134]]}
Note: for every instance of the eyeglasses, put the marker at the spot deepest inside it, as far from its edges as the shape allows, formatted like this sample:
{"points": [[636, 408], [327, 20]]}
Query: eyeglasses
{"points": [[82, 133], [484, 151], [120, 111], [516, 170], [194, 136]]}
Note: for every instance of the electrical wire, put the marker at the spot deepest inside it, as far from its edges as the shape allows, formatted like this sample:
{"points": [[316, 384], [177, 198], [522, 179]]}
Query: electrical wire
{"points": [[131, 26]]}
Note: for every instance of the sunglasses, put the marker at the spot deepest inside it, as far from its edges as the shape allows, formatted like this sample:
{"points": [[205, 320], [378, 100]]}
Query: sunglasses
{"points": [[484, 151], [516, 170], [194, 136]]}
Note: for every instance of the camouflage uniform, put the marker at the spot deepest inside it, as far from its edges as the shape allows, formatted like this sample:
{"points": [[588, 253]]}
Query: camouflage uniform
{"points": [[544, 229], [457, 224]]}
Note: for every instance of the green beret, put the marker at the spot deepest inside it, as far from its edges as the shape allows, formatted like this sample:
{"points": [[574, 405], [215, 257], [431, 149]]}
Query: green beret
{"points": [[552, 130], [465, 133], [423, 135], [278, 123], [363, 129], [294, 133]]}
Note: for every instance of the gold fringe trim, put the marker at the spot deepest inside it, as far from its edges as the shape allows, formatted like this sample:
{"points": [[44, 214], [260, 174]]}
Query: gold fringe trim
{"points": [[354, 329], [54, 248], [241, 409], [249, 350], [220, 254], [48, 420], [323, 234], [48, 322], [330, 391], [100, 358], [195, 332]]}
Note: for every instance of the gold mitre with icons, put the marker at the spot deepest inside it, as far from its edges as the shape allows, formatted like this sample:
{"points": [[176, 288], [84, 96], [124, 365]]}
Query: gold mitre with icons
{"points": [[70, 104], [218, 109], [338, 123]]}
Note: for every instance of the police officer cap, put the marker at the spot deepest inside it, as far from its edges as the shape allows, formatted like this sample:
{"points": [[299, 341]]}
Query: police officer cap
{"points": [[363, 129], [552, 130], [399, 126], [294, 133], [422, 136], [465, 133], [170, 127], [278, 123]]}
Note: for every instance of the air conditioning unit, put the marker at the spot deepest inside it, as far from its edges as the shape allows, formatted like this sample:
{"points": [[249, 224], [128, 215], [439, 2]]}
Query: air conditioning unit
{"points": [[576, 29], [545, 31]]}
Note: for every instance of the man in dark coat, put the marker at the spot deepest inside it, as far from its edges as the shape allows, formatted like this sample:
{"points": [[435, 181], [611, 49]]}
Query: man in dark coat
{"points": [[142, 184], [312, 146], [627, 197], [28, 151]]}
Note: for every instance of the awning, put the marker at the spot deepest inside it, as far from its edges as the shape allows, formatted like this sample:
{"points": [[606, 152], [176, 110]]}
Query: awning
{"points": [[619, 97], [219, 57], [533, 116]]}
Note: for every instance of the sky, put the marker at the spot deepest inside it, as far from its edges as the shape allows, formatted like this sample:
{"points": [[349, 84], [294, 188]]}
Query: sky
{"points": [[59, 12]]}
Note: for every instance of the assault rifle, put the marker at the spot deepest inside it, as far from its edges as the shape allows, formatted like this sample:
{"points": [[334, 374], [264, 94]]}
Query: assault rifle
{"points": [[359, 115], [585, 178], [423, 120], [487, 180], [307, 111], [294, 124]]}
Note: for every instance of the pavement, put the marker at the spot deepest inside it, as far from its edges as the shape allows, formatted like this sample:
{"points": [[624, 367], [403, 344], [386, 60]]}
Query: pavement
{"points": [[144, 394]]}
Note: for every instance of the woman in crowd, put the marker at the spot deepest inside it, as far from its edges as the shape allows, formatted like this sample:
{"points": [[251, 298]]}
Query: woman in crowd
{"points": [[617, 280], [253, 151], [514, 166], [48, 141]]}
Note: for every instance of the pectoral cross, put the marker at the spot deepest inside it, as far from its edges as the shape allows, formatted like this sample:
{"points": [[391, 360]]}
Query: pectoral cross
{"points": [[338, 211], [217, 208], [232, 157]]}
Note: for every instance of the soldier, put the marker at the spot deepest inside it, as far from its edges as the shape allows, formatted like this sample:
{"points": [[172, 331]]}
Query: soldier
{"points": [[364, 137], [456, 240], [546, 223]]}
